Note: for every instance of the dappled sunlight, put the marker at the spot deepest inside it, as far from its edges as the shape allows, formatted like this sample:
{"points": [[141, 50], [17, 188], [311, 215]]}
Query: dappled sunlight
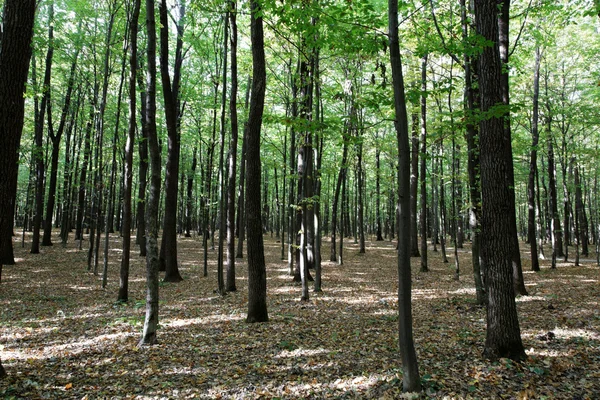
{"points": [[300, 352], [178, 323], [530, 298], [469, 291]]}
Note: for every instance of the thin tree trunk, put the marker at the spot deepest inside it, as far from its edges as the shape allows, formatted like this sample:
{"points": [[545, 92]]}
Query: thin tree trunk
{"points": [[531, 226], [411, 381], [230, 286], [423, 159], [151, 320], [123, 295], [257, 276]]}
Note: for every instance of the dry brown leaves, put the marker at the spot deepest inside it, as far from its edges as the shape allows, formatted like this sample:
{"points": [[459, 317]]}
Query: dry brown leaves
{"points": [[62, 336]]}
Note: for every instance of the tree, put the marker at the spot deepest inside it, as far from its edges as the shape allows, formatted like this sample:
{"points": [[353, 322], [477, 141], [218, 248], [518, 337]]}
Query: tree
{"points": [[503, 337], [15, 53], [257, 274], [168, 249], [151, 321], [411, 381], [127, 212]]}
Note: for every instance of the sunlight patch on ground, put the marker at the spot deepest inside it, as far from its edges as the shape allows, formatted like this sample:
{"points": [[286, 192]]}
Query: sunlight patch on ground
{"points": [[300, 352], [427, 294], [177, 323], [526, 299], [463, 291], [81, 288], [546, 353]]}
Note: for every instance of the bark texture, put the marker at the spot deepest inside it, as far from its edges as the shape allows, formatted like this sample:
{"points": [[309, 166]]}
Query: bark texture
{"points": [[503, 333]]}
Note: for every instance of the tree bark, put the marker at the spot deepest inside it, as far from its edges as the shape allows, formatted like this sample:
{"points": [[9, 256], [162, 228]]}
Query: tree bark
{"points": [[15, 54], [423, 159], [232, 172], [531, 222], [168, 253], [503, 337], [39, 137], [151, 320], [414, 186], [411, 381], [127, 212], [257, 274]]}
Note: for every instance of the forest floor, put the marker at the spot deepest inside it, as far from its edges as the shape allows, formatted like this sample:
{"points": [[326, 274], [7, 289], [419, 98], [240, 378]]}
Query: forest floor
{"points": [[64, 337]]}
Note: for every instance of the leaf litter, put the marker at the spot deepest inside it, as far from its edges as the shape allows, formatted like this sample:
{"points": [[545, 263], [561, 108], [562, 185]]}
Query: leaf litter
{"points": [[63, 336]]}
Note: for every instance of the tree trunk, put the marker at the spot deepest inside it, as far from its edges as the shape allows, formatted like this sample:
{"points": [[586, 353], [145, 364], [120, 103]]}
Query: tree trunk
{"points": [[168, 253], [15, 53], [531, 222], [55, 140], [503, 29], [127, 214], [39, 137], [411, 381], [232, 173], [414, 186], [423, 159], [471, 104], [151, 320], [503, 333], [257, 275]]}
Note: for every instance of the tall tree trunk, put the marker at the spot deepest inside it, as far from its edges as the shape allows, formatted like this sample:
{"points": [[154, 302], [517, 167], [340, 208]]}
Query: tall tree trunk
{"points": [[168, 253], [232, 173], [222, 184], [411, 381], [108, 217], [531, 223], [503, 337], [39, 136], [414, 186], [423, 159], [127, 192], [151, 320], [257, 275], [55, 140], [471, 104], [378, 194], [143, 169], [503, 29], [15, 53]]}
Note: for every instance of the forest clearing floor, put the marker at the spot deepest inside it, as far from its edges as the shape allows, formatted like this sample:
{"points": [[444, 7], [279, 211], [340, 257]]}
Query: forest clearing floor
{"points": [[64, 337]]}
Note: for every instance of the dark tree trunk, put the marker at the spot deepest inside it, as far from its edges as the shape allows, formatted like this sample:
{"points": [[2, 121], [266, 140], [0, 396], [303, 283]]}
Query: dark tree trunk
{"points": [[143, 171], [580, 221], [81, 209], [471, 104], [39, 137], [410, 377], [151, 320], [168, 251], [336, 197], [503, 333], [55, 139], [15, 53], [503, 29], [257, 274], [378, 189], [189, 206], [531, 221], [232, 172], [555, 229], [127, 192], [422, 172], [414, 186]]}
